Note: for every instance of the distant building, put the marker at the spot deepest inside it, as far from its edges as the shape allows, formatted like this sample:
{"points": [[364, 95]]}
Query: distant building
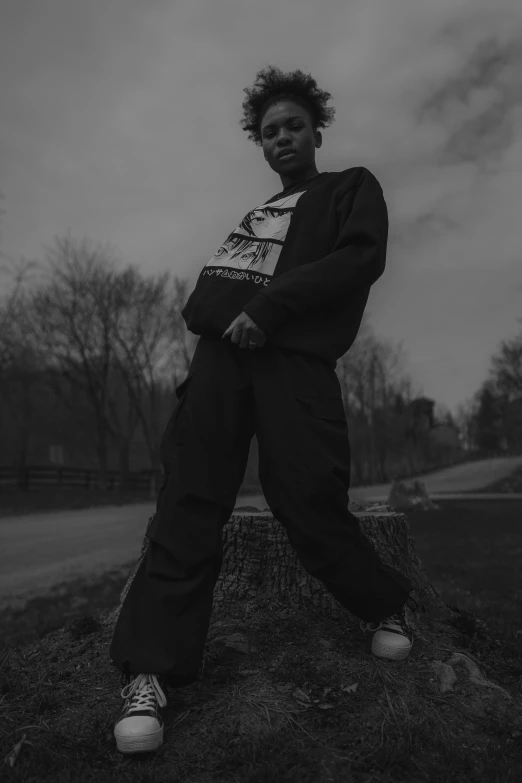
{"points": [[445, 435], [421, 409]]}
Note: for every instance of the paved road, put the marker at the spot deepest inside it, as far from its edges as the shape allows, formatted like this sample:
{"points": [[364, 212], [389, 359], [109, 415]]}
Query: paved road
{"points": [[469, 477], [461, 478], [38, 551]]}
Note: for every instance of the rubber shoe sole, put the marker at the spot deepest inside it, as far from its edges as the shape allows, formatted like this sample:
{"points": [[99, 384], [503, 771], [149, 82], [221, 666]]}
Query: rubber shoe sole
{"points": [[382, 648], [139, 743], [141, 724]]}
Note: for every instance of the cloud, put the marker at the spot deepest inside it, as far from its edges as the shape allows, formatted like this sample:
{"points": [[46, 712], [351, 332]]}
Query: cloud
{"points": [[121, 122]]}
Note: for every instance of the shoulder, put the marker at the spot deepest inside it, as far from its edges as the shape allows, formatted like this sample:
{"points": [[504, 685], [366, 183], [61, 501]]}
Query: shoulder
{"points": [[356, 176]]}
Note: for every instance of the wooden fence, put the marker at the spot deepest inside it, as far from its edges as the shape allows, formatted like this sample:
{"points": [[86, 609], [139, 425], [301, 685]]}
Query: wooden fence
{"points": [[34, 477], [37, 477]]}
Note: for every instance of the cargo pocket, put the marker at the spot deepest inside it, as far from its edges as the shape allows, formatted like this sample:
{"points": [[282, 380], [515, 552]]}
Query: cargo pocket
{"points": [[181, 389], [325, 447], [167, 438], [328, 408]]}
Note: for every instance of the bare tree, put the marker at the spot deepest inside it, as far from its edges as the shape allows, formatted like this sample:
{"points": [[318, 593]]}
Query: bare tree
{"points": [[13, 339], [20, 362], [116, 336], [464, 421], [150, 343], [71, 317], [371, 376]]}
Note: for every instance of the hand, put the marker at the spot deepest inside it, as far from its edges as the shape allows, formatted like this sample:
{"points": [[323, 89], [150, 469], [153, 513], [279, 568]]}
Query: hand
{"points": [[242, 329]]}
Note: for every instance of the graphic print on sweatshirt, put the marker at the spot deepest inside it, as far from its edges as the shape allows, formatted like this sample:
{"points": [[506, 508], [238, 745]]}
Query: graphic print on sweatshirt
{"points": [[256, 244]]}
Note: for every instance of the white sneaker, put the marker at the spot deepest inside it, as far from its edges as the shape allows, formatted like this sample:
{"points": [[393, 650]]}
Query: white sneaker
{"points": [[392, 638], [140, 727]]}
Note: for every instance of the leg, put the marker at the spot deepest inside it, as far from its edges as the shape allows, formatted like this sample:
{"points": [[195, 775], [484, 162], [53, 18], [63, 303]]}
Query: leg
{"points": [[304, 468], [164, 620]]}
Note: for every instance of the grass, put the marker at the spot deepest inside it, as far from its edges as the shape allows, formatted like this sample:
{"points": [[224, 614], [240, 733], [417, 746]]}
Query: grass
{"points": [[277, 702], [472, 552]]}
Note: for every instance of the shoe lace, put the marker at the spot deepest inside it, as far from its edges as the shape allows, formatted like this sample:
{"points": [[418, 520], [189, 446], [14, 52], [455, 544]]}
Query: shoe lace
{"points": [[396, 619], [143, 692]]}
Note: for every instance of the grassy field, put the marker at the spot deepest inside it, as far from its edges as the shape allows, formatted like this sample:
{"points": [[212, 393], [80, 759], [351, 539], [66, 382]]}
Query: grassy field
{"points": [[302, 700]]}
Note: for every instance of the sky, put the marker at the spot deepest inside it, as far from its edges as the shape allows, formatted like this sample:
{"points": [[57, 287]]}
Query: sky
{"points": [[121, 123]]}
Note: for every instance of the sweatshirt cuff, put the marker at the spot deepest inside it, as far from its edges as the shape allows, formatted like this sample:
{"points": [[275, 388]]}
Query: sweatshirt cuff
{"points": [[267, 315]]}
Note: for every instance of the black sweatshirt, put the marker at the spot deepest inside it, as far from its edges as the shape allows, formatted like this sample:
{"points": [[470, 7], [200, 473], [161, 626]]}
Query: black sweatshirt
{"points": [[301, 266]]}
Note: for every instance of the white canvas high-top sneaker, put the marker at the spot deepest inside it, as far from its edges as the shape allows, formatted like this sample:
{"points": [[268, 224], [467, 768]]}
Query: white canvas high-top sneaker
{"points": [[140, 726]]}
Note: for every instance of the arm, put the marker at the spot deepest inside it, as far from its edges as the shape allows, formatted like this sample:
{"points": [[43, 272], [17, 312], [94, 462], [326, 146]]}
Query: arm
{"points": [[358, 259]]}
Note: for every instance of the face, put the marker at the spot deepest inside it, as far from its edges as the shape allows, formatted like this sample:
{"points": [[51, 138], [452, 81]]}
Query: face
{"points": [[288, 126]]}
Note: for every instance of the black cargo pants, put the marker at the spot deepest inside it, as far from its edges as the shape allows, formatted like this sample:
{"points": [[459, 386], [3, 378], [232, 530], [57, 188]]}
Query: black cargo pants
{"points": [[294, 405]]}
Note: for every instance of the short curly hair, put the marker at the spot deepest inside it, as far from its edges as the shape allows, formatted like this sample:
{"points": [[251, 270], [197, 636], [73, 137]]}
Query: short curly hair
{"points": [[272, 85]]}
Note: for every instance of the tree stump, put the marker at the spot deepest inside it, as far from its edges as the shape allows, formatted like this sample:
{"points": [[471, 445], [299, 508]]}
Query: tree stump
{"points": [[258, 560]]}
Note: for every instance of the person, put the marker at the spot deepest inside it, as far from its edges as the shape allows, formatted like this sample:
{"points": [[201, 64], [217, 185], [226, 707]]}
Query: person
{"points": [[280, 301]]}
